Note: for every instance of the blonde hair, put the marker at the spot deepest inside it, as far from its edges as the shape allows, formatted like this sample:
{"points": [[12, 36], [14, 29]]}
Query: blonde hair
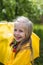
{"points": [[28, 24]]}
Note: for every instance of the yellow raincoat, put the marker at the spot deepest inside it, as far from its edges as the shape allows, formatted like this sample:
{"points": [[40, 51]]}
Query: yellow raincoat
{"points": [[6, 54]]}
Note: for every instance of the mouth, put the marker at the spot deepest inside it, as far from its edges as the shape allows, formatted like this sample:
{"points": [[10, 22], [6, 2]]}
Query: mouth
{"points": [[18, 38]]}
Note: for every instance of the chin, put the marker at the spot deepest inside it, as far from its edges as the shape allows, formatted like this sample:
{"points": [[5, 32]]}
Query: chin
{"points": [[18, 41]]}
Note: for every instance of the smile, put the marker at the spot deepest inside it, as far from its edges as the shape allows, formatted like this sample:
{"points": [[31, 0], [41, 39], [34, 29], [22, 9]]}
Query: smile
{"points": [[18, 37]]}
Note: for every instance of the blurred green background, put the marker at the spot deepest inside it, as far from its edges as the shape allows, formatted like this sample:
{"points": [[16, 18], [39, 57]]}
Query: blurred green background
{"points": [[33, 9], [38, 29]]}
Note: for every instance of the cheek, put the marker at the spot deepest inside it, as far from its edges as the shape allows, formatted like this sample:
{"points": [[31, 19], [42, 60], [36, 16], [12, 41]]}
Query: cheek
{"points": [[14, 34], [23, 35]]}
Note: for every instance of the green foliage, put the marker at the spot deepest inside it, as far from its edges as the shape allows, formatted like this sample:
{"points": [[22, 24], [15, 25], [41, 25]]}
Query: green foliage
{"points": [[38, 29], [10, 9], [7, 8]]}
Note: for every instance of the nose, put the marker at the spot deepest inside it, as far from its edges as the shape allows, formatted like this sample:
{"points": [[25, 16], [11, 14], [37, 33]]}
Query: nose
{"points": [[16, 33]]}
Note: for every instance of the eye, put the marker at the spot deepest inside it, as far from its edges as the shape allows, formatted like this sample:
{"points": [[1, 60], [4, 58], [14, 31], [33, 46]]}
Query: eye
{"points": [[20, 30], [15, 29]]}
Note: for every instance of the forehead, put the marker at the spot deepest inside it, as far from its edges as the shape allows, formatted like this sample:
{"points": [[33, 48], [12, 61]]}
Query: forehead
{"points": [[20, 25]]}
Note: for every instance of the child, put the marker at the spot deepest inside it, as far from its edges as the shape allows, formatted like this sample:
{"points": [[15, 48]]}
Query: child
{"points": [[22, 48]]}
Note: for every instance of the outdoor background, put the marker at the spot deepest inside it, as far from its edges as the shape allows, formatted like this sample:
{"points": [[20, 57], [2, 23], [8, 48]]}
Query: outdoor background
{"points": [[33, 9]]}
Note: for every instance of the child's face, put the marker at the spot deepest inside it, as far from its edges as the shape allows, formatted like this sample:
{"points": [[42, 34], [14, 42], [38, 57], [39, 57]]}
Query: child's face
{"points": [[19, 33]]}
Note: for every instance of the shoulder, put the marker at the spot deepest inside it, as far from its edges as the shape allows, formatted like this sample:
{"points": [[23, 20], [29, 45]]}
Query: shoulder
{"points": [[26, 46]]}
